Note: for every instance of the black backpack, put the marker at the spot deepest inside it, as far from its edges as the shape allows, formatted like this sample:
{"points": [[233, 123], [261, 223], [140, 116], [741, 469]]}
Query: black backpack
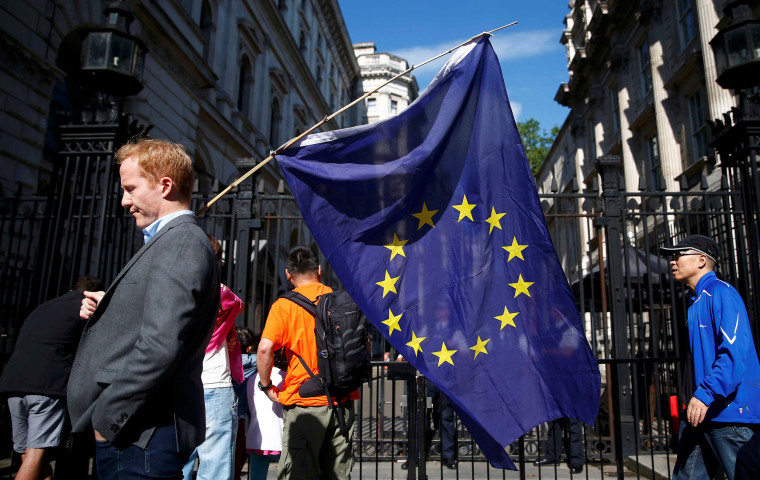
{"points": [[342, 345]]}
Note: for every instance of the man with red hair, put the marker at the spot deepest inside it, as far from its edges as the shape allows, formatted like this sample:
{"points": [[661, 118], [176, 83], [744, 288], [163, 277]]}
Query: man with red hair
{"points": [[137, 378]]}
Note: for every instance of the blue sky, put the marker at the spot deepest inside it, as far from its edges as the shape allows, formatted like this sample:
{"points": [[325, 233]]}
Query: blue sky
{"points": [[532, 59]]}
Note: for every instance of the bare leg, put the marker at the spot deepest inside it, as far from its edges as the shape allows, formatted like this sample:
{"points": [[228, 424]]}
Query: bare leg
{"points": [[34, 465]]}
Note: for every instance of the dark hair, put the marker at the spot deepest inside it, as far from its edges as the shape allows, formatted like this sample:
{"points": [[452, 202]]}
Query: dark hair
{"points": [[88, 283], [245, 337], [216, 246], [301, 260]]}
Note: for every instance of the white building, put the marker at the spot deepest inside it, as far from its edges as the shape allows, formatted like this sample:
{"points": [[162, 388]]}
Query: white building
{"points": [[642, 86], [378, 68]]}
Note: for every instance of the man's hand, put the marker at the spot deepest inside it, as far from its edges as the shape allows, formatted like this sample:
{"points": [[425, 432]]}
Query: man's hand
{"points": [[99, 437], [272, 394], [89, 304], [695, 412]]}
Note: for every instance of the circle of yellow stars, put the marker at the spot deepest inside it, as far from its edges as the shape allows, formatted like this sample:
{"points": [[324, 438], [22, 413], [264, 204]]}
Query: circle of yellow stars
{"points": [[396, 247]]}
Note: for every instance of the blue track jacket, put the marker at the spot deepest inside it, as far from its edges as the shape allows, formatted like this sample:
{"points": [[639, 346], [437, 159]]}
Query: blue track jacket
{"points": [[726, 369]]}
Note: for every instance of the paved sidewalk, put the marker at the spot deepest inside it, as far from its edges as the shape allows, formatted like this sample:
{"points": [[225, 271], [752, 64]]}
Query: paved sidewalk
{"points": [[476, 470]]}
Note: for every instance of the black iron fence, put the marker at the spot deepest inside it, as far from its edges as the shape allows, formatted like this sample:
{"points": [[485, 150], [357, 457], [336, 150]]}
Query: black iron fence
{"points": [[607, 240]]}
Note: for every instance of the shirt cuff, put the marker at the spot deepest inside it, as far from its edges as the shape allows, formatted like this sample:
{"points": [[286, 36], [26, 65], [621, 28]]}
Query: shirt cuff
{"points": [[704, 396]]}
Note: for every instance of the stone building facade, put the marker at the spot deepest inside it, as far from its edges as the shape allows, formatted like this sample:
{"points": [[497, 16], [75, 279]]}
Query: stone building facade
{"points": [[642, 86], [229, 79], [376, 69]]}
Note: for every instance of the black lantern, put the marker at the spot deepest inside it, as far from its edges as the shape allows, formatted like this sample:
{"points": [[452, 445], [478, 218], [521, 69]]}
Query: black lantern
{"points": [[112, 59], [737, 46]]}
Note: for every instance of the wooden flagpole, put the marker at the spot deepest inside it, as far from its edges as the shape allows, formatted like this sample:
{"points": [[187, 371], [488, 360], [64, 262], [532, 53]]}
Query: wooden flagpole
{"points": [[290, 142]]}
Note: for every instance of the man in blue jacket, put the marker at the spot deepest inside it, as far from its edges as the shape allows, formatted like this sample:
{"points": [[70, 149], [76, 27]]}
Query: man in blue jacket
{"points": [[724, 409]]}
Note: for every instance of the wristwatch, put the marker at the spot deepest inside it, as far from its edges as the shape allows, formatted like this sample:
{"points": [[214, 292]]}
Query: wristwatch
{"points": [[263, 388]]}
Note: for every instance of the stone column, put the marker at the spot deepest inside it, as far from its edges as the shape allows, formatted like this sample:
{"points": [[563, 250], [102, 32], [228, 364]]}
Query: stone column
{"points": [[670, 153], [623, 66], [719, 99], [630, 165]]}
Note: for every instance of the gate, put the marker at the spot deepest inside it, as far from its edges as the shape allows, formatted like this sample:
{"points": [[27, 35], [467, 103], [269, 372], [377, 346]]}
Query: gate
{"points": [[607, 241]]}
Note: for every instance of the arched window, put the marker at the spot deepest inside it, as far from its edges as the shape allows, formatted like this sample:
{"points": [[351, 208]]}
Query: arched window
{"points": [[245, 86], [207, 26], [274, 124]]}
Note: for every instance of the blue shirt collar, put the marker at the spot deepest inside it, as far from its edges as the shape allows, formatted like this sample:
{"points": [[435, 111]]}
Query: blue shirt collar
{"points": [[701, 283], [151, 230]]}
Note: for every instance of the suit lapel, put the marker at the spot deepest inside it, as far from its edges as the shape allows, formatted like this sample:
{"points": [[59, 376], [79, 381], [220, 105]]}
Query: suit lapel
{"points": [[177, 221]]}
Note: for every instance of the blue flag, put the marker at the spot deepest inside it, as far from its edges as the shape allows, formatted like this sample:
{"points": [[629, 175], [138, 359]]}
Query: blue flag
{"points": [[432, 222]]}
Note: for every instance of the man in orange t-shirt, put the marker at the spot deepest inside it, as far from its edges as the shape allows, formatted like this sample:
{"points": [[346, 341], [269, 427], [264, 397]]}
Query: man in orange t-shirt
{"points": [[312, 443]]}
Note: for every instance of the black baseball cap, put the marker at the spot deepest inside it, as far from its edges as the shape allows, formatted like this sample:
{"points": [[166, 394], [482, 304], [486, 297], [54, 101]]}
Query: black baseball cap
{"points": [[704, 245]]}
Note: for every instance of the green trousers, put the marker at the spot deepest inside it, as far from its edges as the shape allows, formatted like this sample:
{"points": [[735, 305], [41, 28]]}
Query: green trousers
{"points": [[313, 446]]}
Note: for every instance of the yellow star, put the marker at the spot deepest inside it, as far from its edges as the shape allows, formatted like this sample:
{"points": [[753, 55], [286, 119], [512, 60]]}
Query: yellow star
{"points": [[444, 355], [389, 284], [520, 286], [397, 247], [494, 220], [480, 347], [515, 250], [415, 343], [392, 322], [507, 318], [464, 209], [425, 216]]}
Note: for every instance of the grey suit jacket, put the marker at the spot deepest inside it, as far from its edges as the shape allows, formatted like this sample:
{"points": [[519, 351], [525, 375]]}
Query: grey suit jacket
{"points": [[140, 359]]}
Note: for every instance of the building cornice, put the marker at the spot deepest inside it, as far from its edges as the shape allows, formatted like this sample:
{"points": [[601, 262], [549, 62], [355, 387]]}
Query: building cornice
{"points": [[339, 32]]}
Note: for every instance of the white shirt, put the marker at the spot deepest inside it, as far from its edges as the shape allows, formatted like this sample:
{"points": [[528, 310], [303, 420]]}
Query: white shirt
{"points": [[265, 429], [153, 228]]}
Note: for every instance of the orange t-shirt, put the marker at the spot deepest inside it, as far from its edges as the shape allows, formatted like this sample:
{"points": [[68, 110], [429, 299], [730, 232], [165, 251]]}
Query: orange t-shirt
{"points": [[289, 325]]}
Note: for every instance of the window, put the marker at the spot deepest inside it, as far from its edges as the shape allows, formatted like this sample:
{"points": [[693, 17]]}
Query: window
{"points": [[568, 168], [645, 67], [245, 84], [615, 109], [653, 171], [698, 126], [274, 124], [302, 43], [686, 28], [371, 106], [207, 27], [394, 107]]}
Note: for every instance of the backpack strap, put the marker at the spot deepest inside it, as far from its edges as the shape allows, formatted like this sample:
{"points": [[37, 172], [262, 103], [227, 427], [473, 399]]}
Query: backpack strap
{"points": [[310, 307], [300, 300]]}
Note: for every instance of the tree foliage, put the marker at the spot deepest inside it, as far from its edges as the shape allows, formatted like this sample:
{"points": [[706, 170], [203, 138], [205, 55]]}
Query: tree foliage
{"points": [[537, 142]]}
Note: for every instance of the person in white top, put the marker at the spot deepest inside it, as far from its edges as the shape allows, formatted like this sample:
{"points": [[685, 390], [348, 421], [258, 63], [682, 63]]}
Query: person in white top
{"points": [[264, 436], [222, 364]]}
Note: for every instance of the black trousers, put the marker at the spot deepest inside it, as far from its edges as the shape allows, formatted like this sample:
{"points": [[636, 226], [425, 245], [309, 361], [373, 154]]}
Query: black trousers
{"points": [[573, 442]]}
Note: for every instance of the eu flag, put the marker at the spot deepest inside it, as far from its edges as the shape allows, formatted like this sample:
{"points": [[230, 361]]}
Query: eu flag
{"points": [[432, 222]]}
